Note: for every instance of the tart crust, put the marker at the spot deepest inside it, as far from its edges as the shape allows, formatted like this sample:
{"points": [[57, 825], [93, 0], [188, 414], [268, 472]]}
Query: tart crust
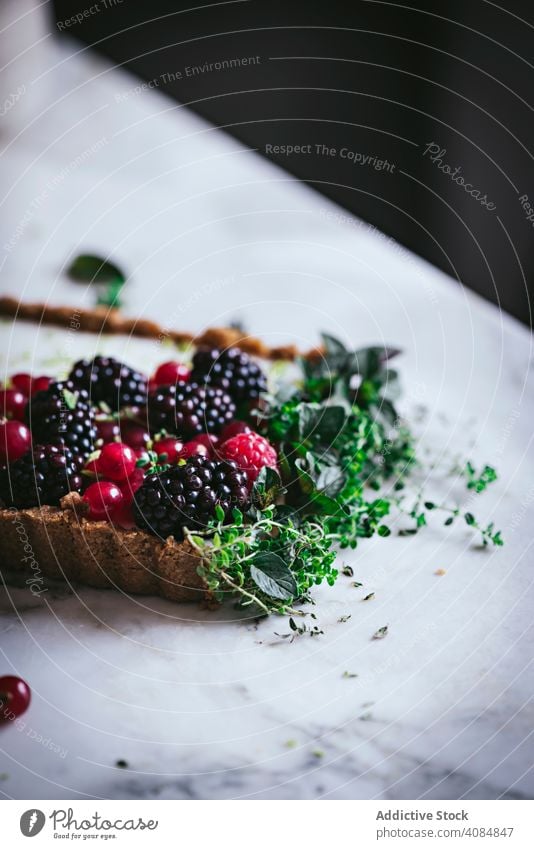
{"points": [[58, 542], [106, 320]]}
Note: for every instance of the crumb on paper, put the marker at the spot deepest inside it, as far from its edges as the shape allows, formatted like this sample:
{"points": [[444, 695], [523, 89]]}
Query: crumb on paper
{"points": [[440, 572]]}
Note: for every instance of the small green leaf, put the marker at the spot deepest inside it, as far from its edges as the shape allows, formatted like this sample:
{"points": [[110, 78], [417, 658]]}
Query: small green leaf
{"points": [[469, 518], [333, 345], [267, 488], [219, 513], [321, 422], [237, 516], [110, 297], [70, 398], [88, 268], [273, 577], [381, 633], [330, 480]]}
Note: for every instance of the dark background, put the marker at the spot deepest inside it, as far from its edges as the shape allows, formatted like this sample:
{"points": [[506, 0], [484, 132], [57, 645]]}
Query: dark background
{"points": [[376, 78]]}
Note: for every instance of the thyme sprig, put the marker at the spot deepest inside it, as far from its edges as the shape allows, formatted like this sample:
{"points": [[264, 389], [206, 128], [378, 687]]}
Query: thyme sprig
{"points": [[345, 457]]}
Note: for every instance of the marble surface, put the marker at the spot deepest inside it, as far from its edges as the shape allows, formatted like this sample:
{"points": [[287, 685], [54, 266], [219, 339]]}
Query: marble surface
{"points": [[197, 704]]}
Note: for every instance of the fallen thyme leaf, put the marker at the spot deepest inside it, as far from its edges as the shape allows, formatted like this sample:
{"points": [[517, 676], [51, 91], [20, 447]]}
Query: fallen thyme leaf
{"points": [[368, 597], [381, 633]]}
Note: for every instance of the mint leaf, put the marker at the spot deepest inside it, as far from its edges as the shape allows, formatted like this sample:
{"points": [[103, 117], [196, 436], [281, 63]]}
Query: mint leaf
{"points": [[88, 268], [267, 488], [273, 577], [320, 422]]}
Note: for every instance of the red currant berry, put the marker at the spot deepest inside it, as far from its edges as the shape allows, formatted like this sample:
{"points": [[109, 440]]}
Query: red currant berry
{"points": [[123, 517], [129, 487], [15, 697], [92, 468], [40, 383], [168, 373], [233, 429], [12, 404], [107, 430], [169, 446], [207, 439], [193, 449], [15, 440], [23, 382], [103, 499], [116, 461], [133, 434]]}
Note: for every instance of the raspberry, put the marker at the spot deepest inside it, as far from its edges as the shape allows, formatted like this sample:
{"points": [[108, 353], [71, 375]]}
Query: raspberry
{"points": [[109, 381], [41, 476], [187, 494], [232, 370], [251, 452], [187, 409]]}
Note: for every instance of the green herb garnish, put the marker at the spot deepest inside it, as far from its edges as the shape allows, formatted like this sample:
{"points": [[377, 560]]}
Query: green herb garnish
{"points": [[345, 457], [88, 268]]}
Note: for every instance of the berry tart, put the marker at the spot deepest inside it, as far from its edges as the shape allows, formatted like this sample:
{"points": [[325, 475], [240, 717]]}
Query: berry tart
{"points": [[219, 475]]}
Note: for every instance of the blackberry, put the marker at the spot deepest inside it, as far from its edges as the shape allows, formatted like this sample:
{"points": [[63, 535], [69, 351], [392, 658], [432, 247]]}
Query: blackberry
{"points": [[188, 409], [109, 381], [41, 476], [62, 415], [232, 370], [187, 495]]}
